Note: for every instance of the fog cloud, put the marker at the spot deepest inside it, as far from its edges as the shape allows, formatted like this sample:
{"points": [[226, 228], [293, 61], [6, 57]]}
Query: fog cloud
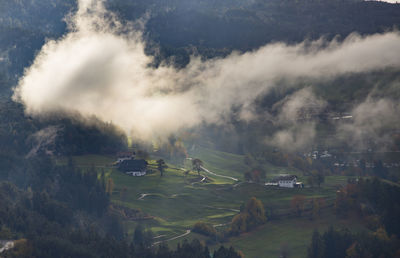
{"points": [[100, 68], [295, 116], [44, 141], [373, 120]]}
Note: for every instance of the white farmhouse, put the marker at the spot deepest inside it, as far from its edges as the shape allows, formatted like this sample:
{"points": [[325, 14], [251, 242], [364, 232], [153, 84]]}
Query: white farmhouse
{"points": [[287, 181]]}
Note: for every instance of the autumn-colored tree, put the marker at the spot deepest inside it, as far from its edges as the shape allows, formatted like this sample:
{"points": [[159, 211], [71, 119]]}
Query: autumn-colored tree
{"points": [[251, 215], [354, 251], [239, 223], [204, 229], [256, 212], [316, 205], [109, 186], [381, 234], [254, 175]]}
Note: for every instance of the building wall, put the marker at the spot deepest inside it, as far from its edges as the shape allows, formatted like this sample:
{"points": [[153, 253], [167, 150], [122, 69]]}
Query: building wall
{"points": [[136, 173], [289, 184]]}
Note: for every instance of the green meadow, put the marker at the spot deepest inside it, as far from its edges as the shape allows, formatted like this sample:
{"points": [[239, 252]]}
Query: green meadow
{"points": [[176, 202]]}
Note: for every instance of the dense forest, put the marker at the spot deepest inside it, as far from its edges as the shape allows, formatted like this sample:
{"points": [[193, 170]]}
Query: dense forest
{"points": [[62, 211]]}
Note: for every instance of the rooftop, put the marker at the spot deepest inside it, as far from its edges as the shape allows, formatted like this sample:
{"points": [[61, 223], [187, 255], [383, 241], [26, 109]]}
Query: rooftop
{"points": [[284, 178], [132, 165]]}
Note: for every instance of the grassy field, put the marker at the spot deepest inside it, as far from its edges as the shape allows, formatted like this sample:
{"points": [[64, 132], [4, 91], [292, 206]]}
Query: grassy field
{"points": [[292, 235], [177, 202], [229, 164]]}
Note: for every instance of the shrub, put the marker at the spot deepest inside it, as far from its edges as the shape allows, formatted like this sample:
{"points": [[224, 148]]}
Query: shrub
{"points": [[204, 229]]}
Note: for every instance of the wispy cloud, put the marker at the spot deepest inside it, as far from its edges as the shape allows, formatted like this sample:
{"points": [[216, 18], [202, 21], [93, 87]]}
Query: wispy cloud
{"points": [[373, 120], [100, 68]]}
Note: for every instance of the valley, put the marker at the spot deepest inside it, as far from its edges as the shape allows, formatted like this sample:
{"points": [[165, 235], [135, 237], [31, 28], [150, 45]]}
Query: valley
{"points": [[173, 204]]}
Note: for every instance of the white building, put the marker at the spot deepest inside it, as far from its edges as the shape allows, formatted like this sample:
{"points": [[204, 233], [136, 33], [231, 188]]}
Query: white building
{"points": [[287, 181], [136, 173]]}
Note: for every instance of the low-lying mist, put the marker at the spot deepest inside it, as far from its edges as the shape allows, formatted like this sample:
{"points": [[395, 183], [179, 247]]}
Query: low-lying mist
{"points": [[99, 68]]}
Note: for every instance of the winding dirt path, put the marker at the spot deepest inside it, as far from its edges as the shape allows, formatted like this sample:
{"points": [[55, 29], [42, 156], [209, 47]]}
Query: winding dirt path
{"points": [[144, 195], [222, 225], [215, 174], [188, 231]]}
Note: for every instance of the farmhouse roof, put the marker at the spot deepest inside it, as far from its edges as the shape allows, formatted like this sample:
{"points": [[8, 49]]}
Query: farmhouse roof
{"points": [[133, 165], [285, 178]]}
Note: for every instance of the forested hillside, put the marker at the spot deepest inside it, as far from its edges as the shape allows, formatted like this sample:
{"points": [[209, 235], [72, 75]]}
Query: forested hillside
{"points": [[211, 27]]}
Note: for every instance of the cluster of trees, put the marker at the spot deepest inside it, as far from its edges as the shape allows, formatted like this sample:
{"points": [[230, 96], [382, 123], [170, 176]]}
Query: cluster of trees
{"points": [[24, 29], [316, 178], [90, 245], [204, 229], [343, 244], [21, 134], [299, 205], [173, 150], [248, 25], [255, 175], [250, 216], [81, 136], [196, 249], [377, 202]]}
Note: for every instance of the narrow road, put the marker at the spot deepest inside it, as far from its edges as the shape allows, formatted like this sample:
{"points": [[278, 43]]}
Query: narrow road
{"points": [[144, 195], [220, 208], [159, 236], [222, 225], [185, 234], [214, 174]]}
